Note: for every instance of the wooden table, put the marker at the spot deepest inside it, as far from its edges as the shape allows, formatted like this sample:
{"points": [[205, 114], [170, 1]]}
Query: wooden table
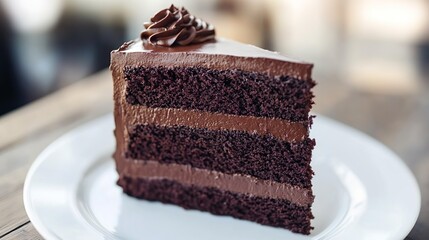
{"points": [[400, 122]]}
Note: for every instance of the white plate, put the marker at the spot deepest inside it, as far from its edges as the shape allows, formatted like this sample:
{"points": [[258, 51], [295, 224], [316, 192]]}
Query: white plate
{"points": [[363, 191]]}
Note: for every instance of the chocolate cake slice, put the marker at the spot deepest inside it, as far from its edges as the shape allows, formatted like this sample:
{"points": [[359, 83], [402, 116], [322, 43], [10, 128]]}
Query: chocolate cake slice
{"points": [[212, 124]]}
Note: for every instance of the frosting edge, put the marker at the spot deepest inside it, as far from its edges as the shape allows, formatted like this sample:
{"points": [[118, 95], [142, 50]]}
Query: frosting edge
{"points": [[243, 184], [282, 129]]}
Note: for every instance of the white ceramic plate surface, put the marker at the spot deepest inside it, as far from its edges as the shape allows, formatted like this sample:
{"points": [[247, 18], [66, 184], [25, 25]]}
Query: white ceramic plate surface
{"points": [[362, 189]]}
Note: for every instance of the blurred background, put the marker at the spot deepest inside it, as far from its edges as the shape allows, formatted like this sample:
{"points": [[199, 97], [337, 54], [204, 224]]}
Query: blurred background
{"points": [[371, 56], [375, 46]]}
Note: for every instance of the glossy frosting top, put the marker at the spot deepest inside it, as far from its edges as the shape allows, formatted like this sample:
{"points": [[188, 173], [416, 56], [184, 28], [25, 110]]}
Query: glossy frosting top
{"points": [[219, 54], [220, 46]]}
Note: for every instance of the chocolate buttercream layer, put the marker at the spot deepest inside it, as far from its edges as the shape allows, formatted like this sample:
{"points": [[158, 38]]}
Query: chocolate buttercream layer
{"points": [[237, 183], [220, 54], [282, 129]]}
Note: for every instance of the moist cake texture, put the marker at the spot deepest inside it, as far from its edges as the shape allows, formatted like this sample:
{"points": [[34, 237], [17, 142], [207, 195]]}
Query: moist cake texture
{"points": [[214, 125]]}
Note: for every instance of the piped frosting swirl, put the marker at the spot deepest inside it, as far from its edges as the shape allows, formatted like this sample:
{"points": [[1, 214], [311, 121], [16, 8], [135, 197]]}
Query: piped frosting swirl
{"points": [[174, 26]]}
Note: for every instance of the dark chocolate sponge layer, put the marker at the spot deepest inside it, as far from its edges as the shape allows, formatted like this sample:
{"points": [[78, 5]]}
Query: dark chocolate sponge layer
{"points": [[272, 212], [223, 91], [229, 152]]}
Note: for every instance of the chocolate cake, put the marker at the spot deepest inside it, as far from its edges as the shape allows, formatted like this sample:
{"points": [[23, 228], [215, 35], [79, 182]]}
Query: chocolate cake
{"points": [[214, 125]]}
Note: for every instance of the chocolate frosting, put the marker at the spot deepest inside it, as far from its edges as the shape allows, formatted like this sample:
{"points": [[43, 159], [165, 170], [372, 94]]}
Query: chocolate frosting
{"points": [[236, 183], [173, 26], [279, 128], [220, 54]]}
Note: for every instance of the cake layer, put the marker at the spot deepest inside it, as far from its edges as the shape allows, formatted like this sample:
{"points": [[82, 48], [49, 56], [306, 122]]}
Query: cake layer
{"points": [[230, 152], [223, 91], [267, 211], [235, 183], [279, 128]]}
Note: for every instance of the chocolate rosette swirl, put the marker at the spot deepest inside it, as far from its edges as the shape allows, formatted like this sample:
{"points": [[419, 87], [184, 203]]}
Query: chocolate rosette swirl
{"points": [[173, 26]]}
